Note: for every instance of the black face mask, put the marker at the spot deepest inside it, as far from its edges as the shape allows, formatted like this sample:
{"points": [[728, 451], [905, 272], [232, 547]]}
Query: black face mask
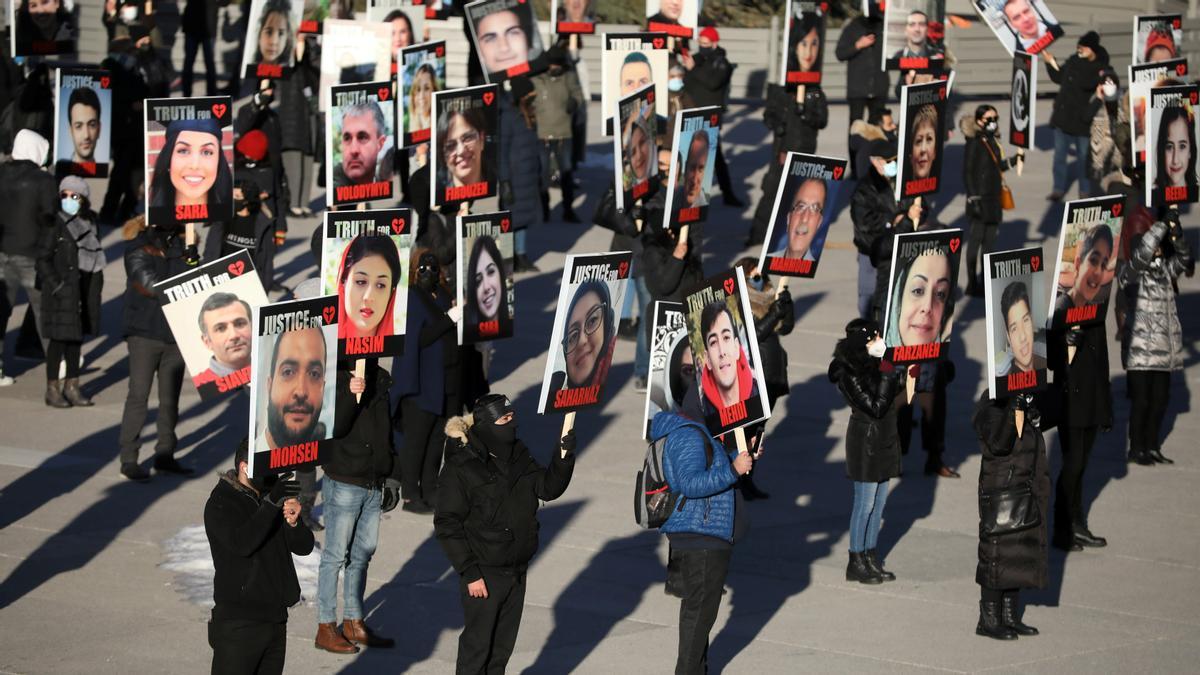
{"points": [[239, 204], [428, 273], [499, 439]]}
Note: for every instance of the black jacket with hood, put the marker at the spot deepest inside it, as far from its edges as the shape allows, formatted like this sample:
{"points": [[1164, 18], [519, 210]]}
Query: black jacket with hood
{"points": [[1076, 80], [708, 80], [361, 451], [982, 167], [252, 549], [872, 441], [864, 77], [486, 512]]}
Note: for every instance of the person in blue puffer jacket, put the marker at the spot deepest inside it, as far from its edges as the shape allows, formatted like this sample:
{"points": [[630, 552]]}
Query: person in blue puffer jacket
{"points": [[703, 527]]}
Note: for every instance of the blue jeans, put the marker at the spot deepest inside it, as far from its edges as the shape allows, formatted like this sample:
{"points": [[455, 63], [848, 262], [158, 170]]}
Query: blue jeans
{"points": [[1062, 144], [519, 241], [641, 359], [351, 533], [866, 285], [867, 515]]}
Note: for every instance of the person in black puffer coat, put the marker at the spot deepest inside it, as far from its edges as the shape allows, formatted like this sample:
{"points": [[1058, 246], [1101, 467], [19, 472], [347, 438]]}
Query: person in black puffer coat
{"points": [[707, 82], [1071, 118], [871, 388], [486, 522], [983, 166], [253, 527], [521, 170], [1014, 455], [860, 47], [152, 254], [70, 275], [795, 126], [297, 124], [877, 218], [671, 267], [627, 237]]}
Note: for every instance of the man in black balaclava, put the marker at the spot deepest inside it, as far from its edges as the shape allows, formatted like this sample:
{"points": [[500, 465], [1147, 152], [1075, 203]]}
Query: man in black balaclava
{"points": [[486, 521]]}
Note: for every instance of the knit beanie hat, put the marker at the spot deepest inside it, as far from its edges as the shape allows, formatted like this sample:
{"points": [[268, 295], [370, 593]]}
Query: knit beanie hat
{"points": [[1090, 39], [75, 184], [710, 33]]}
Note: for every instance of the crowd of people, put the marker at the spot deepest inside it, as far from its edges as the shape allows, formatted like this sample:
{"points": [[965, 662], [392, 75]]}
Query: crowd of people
{"points": [[459, 457]]}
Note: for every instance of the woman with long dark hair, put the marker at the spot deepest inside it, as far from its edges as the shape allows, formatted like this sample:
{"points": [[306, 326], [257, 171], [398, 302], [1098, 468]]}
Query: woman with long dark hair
{"points": [[1175, 149], [984, 166], [191, 167], [276, 34], [487, 287], [367, 281]]}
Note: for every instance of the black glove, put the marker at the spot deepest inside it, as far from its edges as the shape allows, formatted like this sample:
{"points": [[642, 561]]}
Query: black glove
{"points": [[783, 300], [191, 255], [1023, 401], [1074, 337], [285, 488], [391, 495], [568, 442]]}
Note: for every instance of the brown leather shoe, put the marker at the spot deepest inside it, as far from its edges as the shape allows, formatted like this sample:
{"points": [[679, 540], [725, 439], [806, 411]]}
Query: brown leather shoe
{"points": [[331, 639], [356, 631]]}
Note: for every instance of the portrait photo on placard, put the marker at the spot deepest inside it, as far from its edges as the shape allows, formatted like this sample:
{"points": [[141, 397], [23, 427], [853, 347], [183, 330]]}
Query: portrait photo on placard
{"points": [[1016, 301], [41, 27], [913, 34], [727, 365], [83, 122], [293, 383], [189, 160], [693, 163], [1026, 25], [635, 148], [440, 10], [631, 61], [406, 19], [585, 331], [922, 138], [506, 38], [574, 17], [353, 52], [1086, 261], [804, 40], [313, 16], [465, 144], [210, 312], [360, 151], [672, 369], [1143, 78], [1171, 145], [1022, 119], [422, 71], [1157, 37], [677, 18], [270, 48], [805, 205], [364, 262], [922, 286], [484, 281]]}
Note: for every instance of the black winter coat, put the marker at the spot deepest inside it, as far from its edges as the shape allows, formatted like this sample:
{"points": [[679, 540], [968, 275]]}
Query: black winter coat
{"points": [[150, 257], [486, 511], [982, 173], [795, 126], [263, 253], [708, 80], [626, 236], [30, 199], [872, 209], [252, 547], [864, 77], [773, 318], [1086, 390], [1015, 559], [521, 167], [872, 441], [69, 309], [266, 120], [200, 18], [1076, 80], [297, 118], [667, 277], [361, 451]]}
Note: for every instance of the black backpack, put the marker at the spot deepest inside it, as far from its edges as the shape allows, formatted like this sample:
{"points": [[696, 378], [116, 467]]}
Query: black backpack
{"points": [[653, 499]]}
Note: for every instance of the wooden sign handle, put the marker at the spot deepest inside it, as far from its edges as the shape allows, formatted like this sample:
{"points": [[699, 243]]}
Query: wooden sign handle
{"points": [[464, 209], [800, 94], [573, 42], [683, 232], [739, 435], [568, 425], [783, 284], [360, 371], [189, 236], [1020, 420]]}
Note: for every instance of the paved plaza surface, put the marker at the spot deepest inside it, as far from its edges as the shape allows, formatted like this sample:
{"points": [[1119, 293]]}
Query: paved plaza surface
{"points": [[99, 575]]}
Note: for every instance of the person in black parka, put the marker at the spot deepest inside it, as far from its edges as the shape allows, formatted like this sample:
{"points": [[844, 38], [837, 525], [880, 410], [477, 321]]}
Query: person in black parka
{"points": [[486, 521], [1012, 456], [982, 167], [860, 46], [870, 387]]}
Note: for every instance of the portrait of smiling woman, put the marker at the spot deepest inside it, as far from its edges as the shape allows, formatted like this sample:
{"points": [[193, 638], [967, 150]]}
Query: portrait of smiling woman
{"points": [[1175, 147], [367, 281], [806, 43], [923, 146], [462, 139], [420, 99], [487, 286], [922, 301], [191, 168], [588, 337]]}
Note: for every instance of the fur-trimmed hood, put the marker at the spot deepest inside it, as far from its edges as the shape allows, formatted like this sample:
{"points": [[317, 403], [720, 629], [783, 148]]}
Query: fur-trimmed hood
{"points": [[867, 131], [966, 124], [456, 427]]}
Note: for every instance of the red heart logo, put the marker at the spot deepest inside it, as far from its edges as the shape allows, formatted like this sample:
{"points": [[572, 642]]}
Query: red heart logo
{"points": [[622, 269], [505, 224], [1035, 262], [824, 6], [658, 43], [713, 120], [954, 244], [1181, 68], [1116, 209], [329, 313], [521, 1], [1192, 97], [488, 97], [104, 82], [837, 172], [236, 268], [440, 51], [398, 225], [219, 109], [942, 94], [384, 92], [729, 285], [650, 96], [1175, 23]]}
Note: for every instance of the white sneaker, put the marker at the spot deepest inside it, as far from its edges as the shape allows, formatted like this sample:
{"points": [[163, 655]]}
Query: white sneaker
{"points": [[6, 381]]}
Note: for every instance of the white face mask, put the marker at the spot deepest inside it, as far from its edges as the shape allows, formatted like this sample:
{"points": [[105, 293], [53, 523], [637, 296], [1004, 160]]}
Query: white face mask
{"points": [[129, 13], [890, 169], [991, 127], [1110, 90], [877, 348]]}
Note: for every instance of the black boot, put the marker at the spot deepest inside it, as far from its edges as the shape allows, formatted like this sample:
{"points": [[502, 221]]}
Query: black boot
{"points": [[990, 624], [1155, 455], [1139, 456], [876, 565], [750, 491], [1084, 537], [73, 394], [858, 570], [1010, 615]]}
